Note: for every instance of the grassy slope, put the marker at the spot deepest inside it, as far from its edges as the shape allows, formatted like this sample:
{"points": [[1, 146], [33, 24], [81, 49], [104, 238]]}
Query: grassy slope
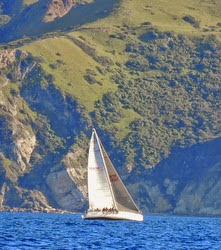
{"points": [[69, 75], [164, 15], [167, 15]]}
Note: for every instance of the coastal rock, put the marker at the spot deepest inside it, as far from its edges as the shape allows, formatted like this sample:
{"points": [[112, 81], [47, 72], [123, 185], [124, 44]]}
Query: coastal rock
{"points": [[203, 197], [67, 181], [7, 57], [20, 140], [75, 162], [25, 143], [186, 183], [2, 194], [18, 61], [58, 8], [64, 191], [20, 198]]}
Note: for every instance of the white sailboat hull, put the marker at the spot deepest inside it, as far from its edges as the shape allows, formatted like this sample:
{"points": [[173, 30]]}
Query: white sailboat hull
{"points": [[113, 216]]}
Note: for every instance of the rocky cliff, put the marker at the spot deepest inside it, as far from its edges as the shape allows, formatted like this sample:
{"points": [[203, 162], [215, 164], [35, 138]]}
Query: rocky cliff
{"points": [[44, 155], [59, 8], [152, 92], [23, 158]]}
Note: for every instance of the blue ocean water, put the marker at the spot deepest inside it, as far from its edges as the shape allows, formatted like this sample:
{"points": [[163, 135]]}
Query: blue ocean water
{"points": [[65, 231]]}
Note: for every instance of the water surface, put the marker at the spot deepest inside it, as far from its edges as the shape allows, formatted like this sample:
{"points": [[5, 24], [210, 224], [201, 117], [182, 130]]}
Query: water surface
{"points": [[63, 231]]}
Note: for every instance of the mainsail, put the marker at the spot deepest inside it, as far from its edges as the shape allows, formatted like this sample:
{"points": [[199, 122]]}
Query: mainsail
{"points": [[105, 188], [99, 191]]}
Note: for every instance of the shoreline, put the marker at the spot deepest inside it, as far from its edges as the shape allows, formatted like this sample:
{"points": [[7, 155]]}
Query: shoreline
{"points": [[6, 209], [60, 211]]}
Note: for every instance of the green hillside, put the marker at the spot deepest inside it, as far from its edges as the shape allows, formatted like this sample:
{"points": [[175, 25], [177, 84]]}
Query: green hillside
{"points": [[147, 77], [156, 68]]}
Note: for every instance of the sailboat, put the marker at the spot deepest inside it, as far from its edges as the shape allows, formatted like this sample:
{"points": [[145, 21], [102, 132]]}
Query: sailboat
{"points": [[107, 195]]}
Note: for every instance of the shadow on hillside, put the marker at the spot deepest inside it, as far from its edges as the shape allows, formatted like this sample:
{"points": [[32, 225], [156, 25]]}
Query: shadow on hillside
{"points": [[185, 164], [184, 183], [29, 21]]}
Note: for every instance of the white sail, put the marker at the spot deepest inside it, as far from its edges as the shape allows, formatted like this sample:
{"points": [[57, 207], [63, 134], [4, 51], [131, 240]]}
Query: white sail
{"points": [[108, 197], [99, 190]]}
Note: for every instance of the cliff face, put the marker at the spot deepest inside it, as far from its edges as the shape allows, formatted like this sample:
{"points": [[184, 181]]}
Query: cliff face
{"points": [[153, 96], [17, 142], [44, 157], [187, 182], [27, 182], [17, 139], [58, 9]]}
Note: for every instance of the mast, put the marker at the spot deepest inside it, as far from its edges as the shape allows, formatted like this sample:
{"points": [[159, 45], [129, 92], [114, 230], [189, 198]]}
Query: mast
{"points": [[88, 195]]}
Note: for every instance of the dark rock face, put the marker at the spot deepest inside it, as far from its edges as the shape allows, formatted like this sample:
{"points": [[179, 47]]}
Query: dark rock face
{"points": [[187, 182]]}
